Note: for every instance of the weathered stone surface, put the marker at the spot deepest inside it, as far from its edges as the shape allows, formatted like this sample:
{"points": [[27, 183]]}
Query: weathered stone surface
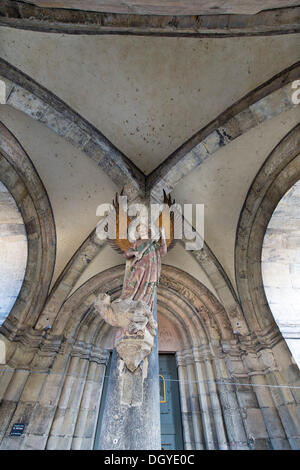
{"points": [[29, 16]]}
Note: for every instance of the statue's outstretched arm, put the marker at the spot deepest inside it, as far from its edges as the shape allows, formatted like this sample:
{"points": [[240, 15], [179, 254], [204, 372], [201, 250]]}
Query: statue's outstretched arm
{"points": [[105, 310]]}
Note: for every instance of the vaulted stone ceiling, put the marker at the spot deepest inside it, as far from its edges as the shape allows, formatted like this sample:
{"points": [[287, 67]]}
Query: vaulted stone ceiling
{"points": [[147, 96]]}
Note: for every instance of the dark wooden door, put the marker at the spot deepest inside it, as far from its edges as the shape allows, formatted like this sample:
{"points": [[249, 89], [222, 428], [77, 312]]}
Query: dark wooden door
{"points": [[170, 414]]}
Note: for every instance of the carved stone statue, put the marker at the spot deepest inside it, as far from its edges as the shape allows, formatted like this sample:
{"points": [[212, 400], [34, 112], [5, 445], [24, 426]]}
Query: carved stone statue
{"points": [[143, 267], [132, 312]]}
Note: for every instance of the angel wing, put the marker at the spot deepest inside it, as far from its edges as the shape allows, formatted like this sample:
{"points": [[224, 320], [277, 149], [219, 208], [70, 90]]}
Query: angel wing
{"points": [[121, 244]]}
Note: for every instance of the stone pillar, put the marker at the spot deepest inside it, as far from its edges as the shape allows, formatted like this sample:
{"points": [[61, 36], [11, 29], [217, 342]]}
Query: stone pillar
{"points": [[64, 421], [204, 400], [283, 398], [186, 414], [199, 441], [131, 418], [86, 424], [216, 406], [233, 420]]}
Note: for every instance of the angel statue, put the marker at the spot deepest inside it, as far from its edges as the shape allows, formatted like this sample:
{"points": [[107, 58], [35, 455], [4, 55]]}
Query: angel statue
{"points": [[143, 266], [132, 312]]}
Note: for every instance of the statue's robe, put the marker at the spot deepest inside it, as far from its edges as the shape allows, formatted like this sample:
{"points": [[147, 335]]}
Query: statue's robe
{"points": [[142, 276]]}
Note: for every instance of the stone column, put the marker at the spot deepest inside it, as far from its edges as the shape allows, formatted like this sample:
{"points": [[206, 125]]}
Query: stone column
{"points": [[186, 414], [216, 406], [131, 418], [233, 420], [194, 401], [86, 424], [204, 399]]}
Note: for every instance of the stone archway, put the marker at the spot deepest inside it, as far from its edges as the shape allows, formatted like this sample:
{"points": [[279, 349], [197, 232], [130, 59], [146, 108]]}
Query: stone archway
{"points": [[227, 399], [199, 321], [279, 172], [280, 267], [22, 181]]}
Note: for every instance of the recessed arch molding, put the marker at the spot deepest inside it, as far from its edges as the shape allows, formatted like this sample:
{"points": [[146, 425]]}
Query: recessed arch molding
{"points": [[66, 369]]}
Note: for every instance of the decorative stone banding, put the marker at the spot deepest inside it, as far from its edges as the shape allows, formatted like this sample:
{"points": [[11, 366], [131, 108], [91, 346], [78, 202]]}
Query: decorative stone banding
{"points": [[162, 22]]}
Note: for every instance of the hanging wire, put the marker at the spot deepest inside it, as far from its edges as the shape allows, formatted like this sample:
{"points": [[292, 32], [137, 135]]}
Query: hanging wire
{"points": [[217, 382]]}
